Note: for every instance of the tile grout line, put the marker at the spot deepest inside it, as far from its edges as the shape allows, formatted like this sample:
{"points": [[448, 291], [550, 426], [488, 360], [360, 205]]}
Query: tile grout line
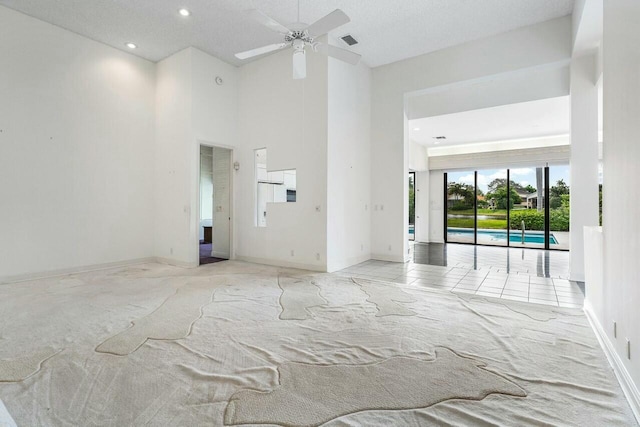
{"points": [[504, 285]]}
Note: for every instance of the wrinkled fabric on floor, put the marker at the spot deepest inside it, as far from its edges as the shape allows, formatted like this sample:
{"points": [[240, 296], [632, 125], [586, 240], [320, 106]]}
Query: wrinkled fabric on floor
{"points": [[232, 343]]}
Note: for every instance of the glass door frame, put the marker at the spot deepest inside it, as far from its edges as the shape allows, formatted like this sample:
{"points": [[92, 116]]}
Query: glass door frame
{"points": [[547, 225], [415, 196]]}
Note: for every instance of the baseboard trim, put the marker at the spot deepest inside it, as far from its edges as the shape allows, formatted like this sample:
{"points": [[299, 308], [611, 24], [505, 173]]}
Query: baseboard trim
{"points": [[175, 263], [626, 382], [224, 255], [5, 417], [348, 263], [440, 240], [66, 271], [576, 277], [281, 263], [391, 258]]}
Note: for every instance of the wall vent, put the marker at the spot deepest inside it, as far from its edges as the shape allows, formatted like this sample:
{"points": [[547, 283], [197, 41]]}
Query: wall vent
{"points": [[348, 39], [439, 137]]}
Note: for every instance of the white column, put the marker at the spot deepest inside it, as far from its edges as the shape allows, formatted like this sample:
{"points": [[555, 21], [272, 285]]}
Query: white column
{"points": [[621, 206], [584, 158], [422, 206]]}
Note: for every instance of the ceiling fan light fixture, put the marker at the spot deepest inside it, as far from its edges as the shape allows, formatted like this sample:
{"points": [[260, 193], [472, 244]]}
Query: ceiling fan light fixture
{"points": [[299, 63]]}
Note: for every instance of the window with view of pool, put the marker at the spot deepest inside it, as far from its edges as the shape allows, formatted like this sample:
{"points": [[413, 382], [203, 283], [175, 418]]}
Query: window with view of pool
{"points": [[501, 235]]}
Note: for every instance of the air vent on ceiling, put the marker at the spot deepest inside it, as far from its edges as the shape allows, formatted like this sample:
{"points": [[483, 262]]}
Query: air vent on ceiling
{"points": [[439, 137], [348, 39]]}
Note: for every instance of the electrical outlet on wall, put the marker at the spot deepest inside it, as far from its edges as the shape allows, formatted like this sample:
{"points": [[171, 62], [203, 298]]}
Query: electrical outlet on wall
{"points": [[292, 252], [628, 349]]}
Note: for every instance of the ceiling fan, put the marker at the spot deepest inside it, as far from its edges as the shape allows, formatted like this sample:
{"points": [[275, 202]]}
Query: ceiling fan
{"points": [[299, 36]]}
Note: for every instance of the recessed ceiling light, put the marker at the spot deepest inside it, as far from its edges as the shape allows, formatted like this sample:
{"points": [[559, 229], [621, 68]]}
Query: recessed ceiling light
{"points": [[132, 45], [416, 129], [184, 12]]}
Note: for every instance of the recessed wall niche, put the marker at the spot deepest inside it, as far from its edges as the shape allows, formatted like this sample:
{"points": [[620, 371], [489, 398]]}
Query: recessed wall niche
{"points": [[271, 186]]}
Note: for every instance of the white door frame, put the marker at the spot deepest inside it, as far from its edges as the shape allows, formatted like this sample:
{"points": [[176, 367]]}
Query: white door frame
{"points": [[202, 143]]}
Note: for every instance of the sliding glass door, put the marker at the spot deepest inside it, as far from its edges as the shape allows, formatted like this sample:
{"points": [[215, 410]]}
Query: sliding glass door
{"points": [[508, 207], [492, 207], [460, 202], [412, 206], [559, 206], [527, 209]]}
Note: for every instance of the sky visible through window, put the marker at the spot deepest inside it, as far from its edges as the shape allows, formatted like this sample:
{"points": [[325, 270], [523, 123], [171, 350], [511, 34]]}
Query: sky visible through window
{"points": [[523, 176]]}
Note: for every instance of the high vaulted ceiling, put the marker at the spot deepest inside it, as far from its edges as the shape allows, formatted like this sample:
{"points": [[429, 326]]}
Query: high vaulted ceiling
{"points": [[388, 30]]}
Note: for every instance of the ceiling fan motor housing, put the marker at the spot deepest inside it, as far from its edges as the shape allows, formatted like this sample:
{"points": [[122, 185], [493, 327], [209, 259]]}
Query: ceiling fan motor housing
{"points": [[298, 35]]}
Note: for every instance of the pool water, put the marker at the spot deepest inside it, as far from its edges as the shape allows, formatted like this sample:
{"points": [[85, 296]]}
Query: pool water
{"points": [[514, 236]]}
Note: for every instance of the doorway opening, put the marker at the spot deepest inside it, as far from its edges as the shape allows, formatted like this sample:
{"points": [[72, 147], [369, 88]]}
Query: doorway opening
{"points": [[214, 224]]}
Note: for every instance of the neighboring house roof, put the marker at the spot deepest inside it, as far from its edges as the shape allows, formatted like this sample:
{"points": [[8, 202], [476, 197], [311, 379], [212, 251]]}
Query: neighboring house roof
{"points": [[533, 195]]}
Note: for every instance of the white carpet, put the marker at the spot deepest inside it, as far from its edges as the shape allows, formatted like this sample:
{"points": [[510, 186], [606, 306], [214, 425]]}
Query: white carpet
{"points": [[184, 347], [5, 418]]}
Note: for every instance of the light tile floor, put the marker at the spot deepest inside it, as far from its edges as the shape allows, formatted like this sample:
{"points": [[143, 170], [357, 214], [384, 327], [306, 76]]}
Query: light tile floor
{"points": [[495, 281]]}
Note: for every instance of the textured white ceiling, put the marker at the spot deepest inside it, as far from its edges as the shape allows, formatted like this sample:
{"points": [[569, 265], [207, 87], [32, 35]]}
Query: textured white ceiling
{"points": [[533, 119], [388, 30]]}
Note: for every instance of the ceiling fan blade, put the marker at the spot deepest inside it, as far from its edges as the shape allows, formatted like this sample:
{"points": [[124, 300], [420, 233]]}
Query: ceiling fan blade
{"points": [[270, 23], [330, 22], [299, 64], [261, 50], [339, 53]]}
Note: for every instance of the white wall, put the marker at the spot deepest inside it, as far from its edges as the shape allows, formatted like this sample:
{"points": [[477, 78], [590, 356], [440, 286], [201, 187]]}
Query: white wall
{"points": [[548, 81], [418, 163], [191, 109], [584, 158], [214, 107], [556, 154], [418, 157], [76, 150], [289, 118], [621, 209], [173, 165], [349, 165], [543, 45]]}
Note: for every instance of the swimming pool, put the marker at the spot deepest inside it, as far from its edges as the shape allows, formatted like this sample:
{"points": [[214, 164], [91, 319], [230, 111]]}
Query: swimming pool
{"points": [[501, 235]]}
